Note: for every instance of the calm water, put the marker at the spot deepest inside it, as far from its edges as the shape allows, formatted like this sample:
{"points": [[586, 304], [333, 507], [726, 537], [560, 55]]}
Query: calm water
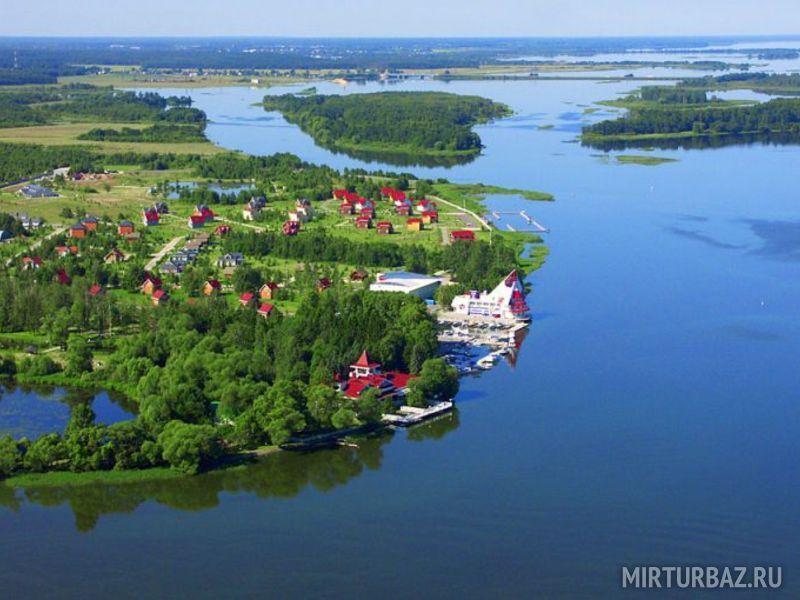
{"points": [[31, 411], [652, 416]]}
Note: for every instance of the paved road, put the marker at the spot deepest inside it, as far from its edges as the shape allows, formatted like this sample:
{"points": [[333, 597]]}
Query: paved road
{"points": [[168, 247]]}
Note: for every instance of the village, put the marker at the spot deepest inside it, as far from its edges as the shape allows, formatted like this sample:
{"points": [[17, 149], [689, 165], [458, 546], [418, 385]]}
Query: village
{"points": [[164, 241]]}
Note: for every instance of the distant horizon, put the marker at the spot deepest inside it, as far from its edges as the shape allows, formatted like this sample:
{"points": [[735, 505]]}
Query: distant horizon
{"points": [[773, 36], [425, 18]]}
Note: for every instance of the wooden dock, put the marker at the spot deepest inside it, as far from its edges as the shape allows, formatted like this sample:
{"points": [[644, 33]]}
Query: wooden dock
{"points": [[410, 415]]}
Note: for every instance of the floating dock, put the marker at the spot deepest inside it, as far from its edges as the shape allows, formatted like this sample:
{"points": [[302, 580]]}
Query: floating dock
{"points": [[410, 415]]}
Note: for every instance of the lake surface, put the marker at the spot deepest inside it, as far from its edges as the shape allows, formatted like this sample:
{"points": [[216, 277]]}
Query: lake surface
{"points": [[652, 415], [31, 411]]}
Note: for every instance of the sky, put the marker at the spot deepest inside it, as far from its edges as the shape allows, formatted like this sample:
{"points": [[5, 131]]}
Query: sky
{"points": [[397, 18]]}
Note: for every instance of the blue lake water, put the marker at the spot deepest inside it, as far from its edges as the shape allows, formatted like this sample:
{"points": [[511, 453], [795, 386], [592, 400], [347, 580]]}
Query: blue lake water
{"points": [[652, 416]]}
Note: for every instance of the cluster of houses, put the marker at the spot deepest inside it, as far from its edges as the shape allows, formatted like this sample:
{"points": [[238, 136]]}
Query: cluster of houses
{"points": [[423, 212], [178, 261], [260, 299], [28, 222]]}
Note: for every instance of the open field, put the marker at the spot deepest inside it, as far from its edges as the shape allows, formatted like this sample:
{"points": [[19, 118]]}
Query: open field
{"points": [[127, 79], [66, 134], [649, 161]]}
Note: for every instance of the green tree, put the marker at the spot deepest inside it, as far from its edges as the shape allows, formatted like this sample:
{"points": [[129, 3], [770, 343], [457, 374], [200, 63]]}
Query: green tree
{"points": [[46, 453], [437, 381], [188, 447], [322, 403], [79, 356], [10, 456]]}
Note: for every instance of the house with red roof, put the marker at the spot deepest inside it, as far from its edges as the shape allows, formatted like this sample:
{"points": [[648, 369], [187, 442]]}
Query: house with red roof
{"points": [[150, 217], [345, 208], [363, 222], [366, 374], [90, 222], [358, 275], [196, 221], [267, 291], [150, 284], [159, 297], [403, 209], [201, 210], [31, 262], [291, 227], [114, 256], [212, 286], [414, 224], [96, 290], [430, 216], [266, 310], [62, 251], [339, 194], [323, 283], [384, 227], [462, 235], [247, 299], [222, 230]]}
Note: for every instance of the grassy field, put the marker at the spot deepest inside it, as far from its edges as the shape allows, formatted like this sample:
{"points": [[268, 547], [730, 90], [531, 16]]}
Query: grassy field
{"points": [[66, 134], [69, 479]]}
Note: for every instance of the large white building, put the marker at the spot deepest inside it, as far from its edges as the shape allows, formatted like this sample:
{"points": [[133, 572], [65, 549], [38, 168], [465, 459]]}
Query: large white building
{"points": [[415, 284], [506, 301]]}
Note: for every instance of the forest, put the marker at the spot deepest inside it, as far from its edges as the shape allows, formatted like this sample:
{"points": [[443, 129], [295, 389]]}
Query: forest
{"points": [[411, 122], [777, 117], [161, 133]]}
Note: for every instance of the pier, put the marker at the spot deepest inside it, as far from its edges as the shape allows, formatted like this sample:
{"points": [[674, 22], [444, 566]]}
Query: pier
{"points": [[536, 226]]}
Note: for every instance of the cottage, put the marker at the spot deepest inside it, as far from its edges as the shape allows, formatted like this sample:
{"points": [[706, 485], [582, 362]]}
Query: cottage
{"points": [[358, 275], [150, 217], [5, 235], [384, 227], [323, 284], [267, 291], [247, 300], [31, 262], [367, 212], [403, 209], [96, 290], [212, 286], [266, 310], [291, 228], [430, 216], [90, 223], [232, 259], [62, 251], [462, 235], [201, 210], [77, 231], [125, 227], [298, 217], [339, 194], [171, 267], [114, 256], [249, 213], [345, 208], [222, 230], [414, 224], [150, 285], [363, 222], [196, 221], [159, 297]]}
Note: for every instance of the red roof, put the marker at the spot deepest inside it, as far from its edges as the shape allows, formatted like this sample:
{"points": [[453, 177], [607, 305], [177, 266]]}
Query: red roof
{"points": [[430, 213], [160, 295], [151, 215], [340, 193], [214, 283], [462, 234], [95, 289], [246, 297], [364, 361], [222, 229], [63, 278], [153, 279], [265, 308], [197, 219], [412, 220]]}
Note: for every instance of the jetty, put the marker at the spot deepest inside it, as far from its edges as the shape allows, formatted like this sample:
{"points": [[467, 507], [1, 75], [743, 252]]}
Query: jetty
{"points": [[410, 415], [535, 225]]}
